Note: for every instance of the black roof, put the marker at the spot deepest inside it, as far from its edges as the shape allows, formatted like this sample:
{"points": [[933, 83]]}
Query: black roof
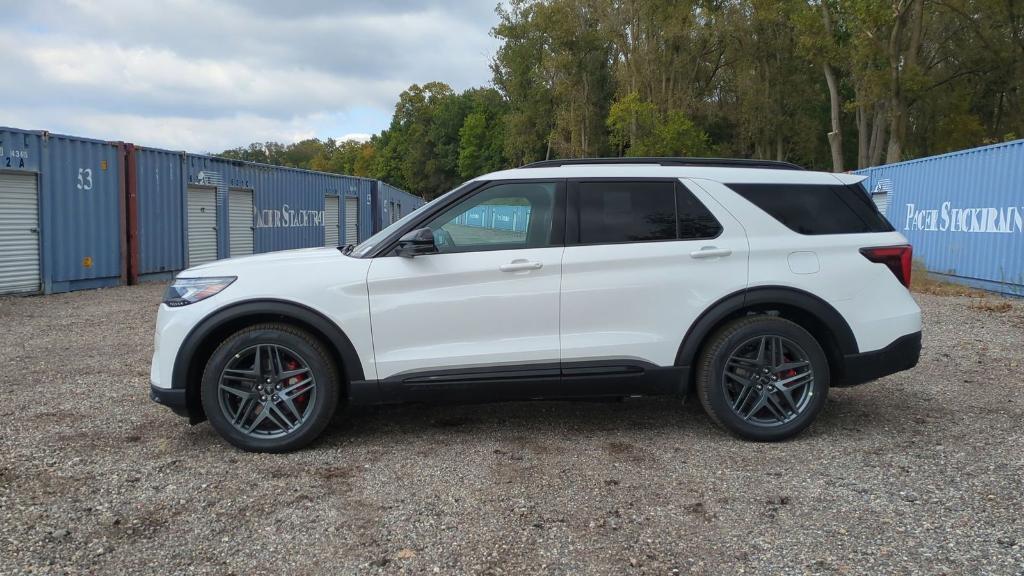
{"points": [[671, 161]]}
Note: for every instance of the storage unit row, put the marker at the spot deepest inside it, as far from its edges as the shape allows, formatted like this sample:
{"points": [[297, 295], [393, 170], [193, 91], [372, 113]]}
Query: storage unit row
{"points": [[78, 213]]}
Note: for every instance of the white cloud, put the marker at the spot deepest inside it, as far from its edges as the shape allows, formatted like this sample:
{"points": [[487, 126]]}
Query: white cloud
{"points": [[207, 75], [357, 136]]}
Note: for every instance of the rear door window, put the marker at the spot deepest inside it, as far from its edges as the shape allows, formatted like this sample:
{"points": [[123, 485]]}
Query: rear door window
{"points": [[815, 209], [642, 211]]}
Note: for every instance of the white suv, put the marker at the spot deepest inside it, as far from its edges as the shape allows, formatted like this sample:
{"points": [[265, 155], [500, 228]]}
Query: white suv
{"points": [[755, 283]]}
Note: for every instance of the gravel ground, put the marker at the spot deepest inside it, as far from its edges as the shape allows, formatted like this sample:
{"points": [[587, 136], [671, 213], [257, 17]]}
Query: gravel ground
{"points": [[919, 473]]}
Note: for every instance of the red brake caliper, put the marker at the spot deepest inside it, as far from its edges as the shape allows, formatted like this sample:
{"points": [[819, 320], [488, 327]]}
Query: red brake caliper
{"points": [[791, 371], [300, 401]]}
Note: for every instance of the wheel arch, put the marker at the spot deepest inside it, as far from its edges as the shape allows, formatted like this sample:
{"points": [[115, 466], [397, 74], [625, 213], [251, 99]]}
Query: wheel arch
{"points": [[812, 313], [200, 343]]}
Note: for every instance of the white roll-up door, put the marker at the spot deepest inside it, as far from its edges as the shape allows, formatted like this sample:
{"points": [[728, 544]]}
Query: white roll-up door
{"points": [[240, 237], [331, 225], [202, 225], [19, 233], [881, 199], [351, 220]]}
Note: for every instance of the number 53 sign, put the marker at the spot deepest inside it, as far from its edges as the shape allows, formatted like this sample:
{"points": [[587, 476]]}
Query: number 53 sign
{"points": [[84, 179]]}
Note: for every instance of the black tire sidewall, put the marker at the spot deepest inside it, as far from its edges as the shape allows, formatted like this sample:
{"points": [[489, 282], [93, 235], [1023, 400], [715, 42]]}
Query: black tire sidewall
{"points": [[722, 348], [324, 375]]}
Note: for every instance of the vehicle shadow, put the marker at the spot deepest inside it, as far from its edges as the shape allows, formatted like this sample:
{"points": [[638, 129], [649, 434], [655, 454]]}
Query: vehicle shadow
{"points": [[557, 416], [849, 413]]}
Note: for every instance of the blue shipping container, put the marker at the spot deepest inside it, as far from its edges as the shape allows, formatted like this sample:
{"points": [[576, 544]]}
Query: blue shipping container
{"points": [[77, 213], [963, 212], [287, 210], [78, 216], [393, 204]]}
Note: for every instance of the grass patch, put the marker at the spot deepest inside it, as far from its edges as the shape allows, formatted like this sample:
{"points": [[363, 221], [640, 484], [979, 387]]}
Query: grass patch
{"points": [[993, 306], [923, 282]]}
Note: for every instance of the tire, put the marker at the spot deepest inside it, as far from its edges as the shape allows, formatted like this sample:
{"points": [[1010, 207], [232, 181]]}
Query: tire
{"points": [[735, 369], [280, 405]]}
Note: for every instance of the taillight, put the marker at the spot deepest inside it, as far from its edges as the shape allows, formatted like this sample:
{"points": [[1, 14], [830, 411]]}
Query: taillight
{"points": [[897, 258]]}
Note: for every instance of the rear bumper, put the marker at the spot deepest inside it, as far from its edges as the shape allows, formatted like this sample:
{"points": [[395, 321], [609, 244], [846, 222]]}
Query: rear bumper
{"points": [[901, 354], [173, 398]]}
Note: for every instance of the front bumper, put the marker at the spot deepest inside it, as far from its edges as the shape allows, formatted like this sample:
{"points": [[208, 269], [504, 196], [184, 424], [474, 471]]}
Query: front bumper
{"points": [[901, 354], [173, 398]]}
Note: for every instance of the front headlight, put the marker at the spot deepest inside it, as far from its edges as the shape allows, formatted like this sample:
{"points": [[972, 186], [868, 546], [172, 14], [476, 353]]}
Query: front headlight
{"points": [[186, 291]]}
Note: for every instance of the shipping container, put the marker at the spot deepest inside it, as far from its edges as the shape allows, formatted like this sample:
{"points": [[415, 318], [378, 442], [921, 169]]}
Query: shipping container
{"points": [[963, 212], [61, 212], [191, 209], [392, 204], [78, 213]]}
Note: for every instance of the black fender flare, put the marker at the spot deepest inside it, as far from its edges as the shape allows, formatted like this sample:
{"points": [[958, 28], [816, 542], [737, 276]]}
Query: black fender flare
{"points": [[282, 309], [765, 296]]}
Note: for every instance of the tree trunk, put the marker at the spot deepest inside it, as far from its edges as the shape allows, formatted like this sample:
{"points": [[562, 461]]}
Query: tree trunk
{"points": [[863, 136], [877, 135], [896, 118], [835, 137], [913, 10]]}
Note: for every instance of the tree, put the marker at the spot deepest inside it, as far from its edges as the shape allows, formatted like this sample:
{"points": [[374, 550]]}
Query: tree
{"points": [[825, 83], [638, 129]]}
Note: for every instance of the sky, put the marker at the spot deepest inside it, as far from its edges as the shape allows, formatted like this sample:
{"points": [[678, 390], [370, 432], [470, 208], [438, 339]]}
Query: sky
{"points": [[208, 75]]}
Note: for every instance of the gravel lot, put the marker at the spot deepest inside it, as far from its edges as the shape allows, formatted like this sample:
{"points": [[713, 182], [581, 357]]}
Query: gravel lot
{"points": [[922, 472]]}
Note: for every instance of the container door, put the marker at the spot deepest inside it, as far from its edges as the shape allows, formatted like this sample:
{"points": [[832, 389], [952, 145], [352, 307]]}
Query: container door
{"points": [[331, 225], [19, 233], [881, 200], [240, 219], [202, 225], [351, 220]]}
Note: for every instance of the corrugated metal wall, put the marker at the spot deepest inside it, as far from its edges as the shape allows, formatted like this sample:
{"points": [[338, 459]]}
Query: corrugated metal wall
{"points": [[81, 211], [963, 212], [288, 205], [111, 212], [160, 212], [392, 199], [80, 206]]}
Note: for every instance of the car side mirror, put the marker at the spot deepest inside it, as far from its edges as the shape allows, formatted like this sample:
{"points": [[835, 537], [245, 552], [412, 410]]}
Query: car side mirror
{"points": [[417, 243]]}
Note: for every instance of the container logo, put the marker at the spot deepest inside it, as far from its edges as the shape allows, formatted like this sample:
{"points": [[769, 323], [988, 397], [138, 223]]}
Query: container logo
{"points": [[287, 217], [950, 218]]}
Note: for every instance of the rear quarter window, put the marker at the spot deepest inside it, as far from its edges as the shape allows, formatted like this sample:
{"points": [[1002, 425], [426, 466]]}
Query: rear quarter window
{"points": [[815, 209]]}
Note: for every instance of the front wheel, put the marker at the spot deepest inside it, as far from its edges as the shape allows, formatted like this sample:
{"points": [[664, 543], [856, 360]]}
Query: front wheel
{"points": [[270, 388], [763, 378]]}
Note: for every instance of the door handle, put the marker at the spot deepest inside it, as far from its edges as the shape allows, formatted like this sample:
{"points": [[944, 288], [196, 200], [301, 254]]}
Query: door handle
{"points": [[710, 252], [520, 264]]}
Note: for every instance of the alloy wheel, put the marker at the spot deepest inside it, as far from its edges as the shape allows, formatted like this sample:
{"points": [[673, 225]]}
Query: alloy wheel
{"points": [[267, 391], [768, 381]]}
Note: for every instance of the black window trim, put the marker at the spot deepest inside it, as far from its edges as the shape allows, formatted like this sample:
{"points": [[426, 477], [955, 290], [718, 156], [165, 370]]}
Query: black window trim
{"points": [[386, 248], [572, 210]]}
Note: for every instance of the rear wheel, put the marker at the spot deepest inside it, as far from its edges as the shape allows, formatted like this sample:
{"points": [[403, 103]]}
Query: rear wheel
{"points": [[270, 388], [763, 378]]}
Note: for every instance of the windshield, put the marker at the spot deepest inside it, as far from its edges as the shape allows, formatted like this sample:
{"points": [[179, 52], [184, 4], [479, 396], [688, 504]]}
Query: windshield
{"points": [[370, 243]]}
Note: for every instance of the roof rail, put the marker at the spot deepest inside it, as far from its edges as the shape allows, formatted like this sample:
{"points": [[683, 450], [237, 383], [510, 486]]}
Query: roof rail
{"points": [[671, 161]]}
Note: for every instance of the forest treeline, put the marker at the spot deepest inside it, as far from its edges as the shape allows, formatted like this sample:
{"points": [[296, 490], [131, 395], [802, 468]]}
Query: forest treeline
{"points": [[829, 84]]}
